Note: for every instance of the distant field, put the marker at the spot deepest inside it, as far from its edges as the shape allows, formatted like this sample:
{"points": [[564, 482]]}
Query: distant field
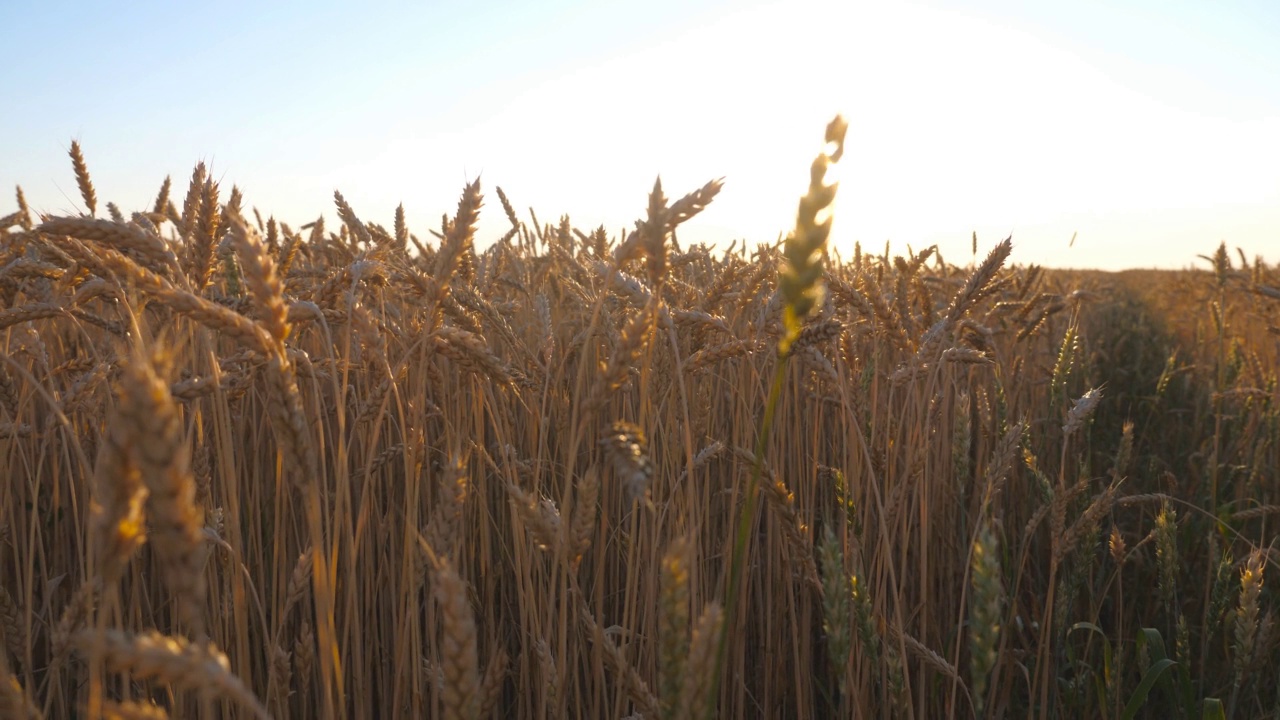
{"points": [[347, 470]]}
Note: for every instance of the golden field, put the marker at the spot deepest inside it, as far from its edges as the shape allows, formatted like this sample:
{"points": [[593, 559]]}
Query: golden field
{"points": [[341, 470]]}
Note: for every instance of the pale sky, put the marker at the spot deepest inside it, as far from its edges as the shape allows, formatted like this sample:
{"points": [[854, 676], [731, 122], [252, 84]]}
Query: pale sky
{"points": [[1149, 129]]}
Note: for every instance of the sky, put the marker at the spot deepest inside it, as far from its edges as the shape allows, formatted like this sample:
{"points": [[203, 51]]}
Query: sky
{"points": [[1148, 131]]}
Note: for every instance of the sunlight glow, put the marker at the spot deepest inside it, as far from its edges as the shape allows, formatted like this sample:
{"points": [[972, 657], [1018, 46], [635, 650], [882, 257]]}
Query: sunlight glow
{"points": [[957, 124], [968, 121]]}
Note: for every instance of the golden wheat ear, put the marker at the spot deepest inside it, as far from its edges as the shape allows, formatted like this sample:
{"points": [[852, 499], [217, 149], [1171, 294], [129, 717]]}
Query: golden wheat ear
{"points": [[82, 178], [162, 456], [171, 660], [800, 278]]}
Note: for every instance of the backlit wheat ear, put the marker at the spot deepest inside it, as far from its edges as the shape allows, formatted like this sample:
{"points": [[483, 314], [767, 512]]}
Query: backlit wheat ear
{"points": [[653, 235], [457, 248], [627, 450], [471, 352], [13, 630], [696, 698], [458, 655], [584, 512], [693, 203], [25, 221], [278, 678], [175, 661], [401, 229], [673, 626], [1081, 411], [117, 514], [299, 582], [146, 246], [837, 618], [453, 490], [289, 421], [263, 282], [159, 449], [1246, 625], [204, 236], [82, 178], [800, 277], [73, 617], [304, 658], [352, 222], [540, 516], [162, 198], [491, 687], [981, 281], [219, 318], [1166, 536], [636, 687], [985, 611]]}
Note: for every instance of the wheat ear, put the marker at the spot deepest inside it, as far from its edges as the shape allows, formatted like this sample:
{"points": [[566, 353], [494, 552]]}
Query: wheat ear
{"points": [[459, 656], [163, 459], [82, 178], [152, 656]]}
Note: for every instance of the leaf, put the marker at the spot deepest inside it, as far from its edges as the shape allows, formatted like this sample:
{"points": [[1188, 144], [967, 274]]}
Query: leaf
{"points": [[1154, 641], [1103, 680], [1139, 697]]}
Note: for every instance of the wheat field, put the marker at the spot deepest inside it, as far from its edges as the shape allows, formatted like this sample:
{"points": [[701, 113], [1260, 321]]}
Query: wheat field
{"points": [[340, 470]]}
